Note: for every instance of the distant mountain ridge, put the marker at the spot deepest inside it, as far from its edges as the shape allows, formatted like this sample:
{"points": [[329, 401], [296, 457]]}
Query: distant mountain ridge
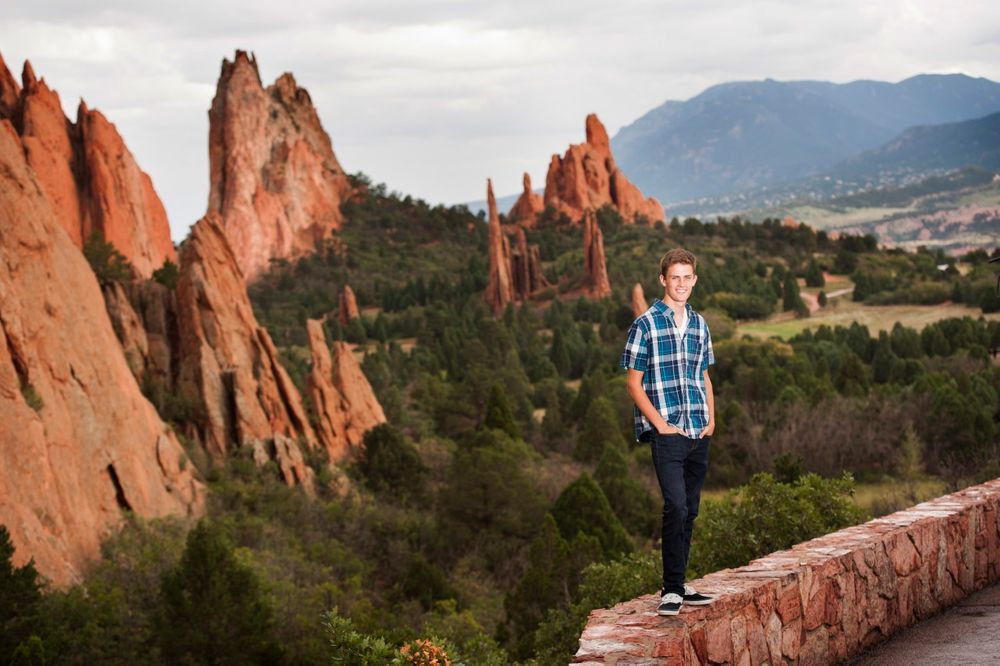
{"points": [[742, 135]]}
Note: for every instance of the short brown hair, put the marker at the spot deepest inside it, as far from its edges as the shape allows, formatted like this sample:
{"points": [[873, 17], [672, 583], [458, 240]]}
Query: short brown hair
{"points": [[677, 256]]}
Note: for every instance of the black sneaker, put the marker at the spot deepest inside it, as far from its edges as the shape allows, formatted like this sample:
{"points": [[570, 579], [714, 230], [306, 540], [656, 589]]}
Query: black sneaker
{"points": [[695, 598], [670, 604]]}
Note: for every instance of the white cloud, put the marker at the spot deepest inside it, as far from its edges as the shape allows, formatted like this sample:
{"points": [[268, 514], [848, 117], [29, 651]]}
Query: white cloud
{"points": [[434, 97]]}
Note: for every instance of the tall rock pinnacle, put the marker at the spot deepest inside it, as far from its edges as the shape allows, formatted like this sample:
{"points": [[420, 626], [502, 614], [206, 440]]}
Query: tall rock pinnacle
{"points": [[88, 175], [587, 177], [345, 404], [598, 285], [500, 287], [527, 207], [275, 181]]}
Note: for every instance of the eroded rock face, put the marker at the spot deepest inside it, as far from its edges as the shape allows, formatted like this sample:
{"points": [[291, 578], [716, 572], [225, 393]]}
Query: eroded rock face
{"points": [[345, 404], [347, 306], [229, 364], [527, 207], [598, 285], [526, 266], [88, 175], [78, 444], [639, 304], [500, 286], [275, 181], [586, 177]]}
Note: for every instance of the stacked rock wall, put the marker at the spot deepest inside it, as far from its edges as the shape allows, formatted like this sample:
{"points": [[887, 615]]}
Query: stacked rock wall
{"points": [[822, 601]]}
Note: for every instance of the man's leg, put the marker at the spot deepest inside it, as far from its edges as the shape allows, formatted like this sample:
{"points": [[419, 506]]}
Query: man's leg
{"points": [[669, 452], [695, 468]]}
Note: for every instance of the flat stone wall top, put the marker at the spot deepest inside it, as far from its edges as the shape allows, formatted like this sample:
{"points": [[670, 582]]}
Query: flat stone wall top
{"points": [[821, 601]]}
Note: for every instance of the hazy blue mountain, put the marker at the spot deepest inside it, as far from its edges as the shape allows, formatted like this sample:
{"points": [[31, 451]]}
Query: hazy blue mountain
{"points": [[744, 135], [931, 148]]}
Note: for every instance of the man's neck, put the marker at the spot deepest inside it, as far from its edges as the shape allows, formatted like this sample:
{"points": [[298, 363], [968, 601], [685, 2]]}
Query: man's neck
{"points": [[677, 306]]}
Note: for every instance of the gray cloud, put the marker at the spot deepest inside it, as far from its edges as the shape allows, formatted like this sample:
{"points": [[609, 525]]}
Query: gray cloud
{"points": [[434, 97]]}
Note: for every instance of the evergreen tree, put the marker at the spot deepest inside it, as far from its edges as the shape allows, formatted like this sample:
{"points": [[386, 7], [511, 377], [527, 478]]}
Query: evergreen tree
{"points": [[600, 429], [550, 581], [215, 608], [19, 599], [498, 412], [559, 354], [629, 499], [792, 300], [814, 275], [391, 464], [582, 508]]}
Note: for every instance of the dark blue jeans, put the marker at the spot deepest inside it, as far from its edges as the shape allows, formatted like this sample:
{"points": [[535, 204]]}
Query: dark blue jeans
{"points": [[680, 465]]}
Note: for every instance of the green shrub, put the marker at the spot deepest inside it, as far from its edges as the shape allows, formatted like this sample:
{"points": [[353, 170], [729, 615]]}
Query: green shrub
{"points": [[108, 264], [765, 516]]}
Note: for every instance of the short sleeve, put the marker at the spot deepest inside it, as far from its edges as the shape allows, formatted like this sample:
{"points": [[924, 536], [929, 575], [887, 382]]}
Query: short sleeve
{"points": [[708, 356], [635, 356]]}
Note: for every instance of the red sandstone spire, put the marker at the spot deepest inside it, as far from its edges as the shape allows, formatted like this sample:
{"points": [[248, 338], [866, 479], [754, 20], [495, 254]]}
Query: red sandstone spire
{"points": [[527, 207], [499, 289], [598, 285]]}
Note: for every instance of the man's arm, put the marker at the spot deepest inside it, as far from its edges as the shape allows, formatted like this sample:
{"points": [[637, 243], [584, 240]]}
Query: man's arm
{"points": [[710, 399], [641, 400]]}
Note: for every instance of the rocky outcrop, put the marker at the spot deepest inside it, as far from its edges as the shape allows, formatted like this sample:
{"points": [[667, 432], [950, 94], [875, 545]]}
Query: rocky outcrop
{"points": [[823, 601], [345, 404], [275, 181], [79, 445], [525, 265], [639, 304], [228, 363], [347, 308], [587, 177], [598, 285], [89, 177], [500, 286], [527, 207]]}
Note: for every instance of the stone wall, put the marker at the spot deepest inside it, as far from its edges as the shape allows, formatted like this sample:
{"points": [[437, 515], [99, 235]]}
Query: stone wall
{"points": [[823, 600]]}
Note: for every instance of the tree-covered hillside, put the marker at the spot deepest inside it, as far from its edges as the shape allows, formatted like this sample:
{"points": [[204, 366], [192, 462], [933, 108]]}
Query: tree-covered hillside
{"points": [[506, 496]]}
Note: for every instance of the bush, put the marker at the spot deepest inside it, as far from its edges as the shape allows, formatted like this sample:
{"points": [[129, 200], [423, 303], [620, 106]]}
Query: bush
{"points": [[108, 264], [765, 516], [389, 463]]}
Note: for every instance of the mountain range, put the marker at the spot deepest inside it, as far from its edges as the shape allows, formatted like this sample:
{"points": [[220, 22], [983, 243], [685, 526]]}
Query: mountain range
{"points": [[744, 135]]}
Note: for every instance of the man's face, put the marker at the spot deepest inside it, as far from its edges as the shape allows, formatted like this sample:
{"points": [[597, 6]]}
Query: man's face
{"points": [[679, 282]]}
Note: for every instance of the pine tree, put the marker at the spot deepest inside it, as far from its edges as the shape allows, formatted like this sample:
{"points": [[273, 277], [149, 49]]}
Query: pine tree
{"points": [[600, 429], [629, 499], [814, 275], [582, 508], [19, 599], [215, 609], [499, 413]]}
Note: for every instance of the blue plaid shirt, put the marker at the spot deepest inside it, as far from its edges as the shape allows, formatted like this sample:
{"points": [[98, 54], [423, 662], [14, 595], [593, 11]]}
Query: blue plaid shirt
{"points": [[673, 366]]}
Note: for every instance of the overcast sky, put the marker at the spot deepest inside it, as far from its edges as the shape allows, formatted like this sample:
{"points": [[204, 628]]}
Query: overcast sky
{"points": [[433, 97]]}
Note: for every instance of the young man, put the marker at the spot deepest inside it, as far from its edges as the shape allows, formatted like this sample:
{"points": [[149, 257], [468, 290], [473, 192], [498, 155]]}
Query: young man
{"points": [[667, 355]]}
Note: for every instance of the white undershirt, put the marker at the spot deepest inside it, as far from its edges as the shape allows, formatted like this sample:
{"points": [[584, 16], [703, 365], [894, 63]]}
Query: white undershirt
{"points": [[681, 321]]}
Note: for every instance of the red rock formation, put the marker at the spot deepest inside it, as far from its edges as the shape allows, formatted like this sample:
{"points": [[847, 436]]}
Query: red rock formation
{"points": [[228, 362], [639, 304], [500, 287], [526, 266], [598, 285], [346, 406], [79, 444], [527, 207], [348, 306], [90, 178], [587, 177], [275, 182]]}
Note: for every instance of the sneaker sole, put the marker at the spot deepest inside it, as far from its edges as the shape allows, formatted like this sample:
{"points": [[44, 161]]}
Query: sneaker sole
{"points": [[668, 612], [699, 603]]}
